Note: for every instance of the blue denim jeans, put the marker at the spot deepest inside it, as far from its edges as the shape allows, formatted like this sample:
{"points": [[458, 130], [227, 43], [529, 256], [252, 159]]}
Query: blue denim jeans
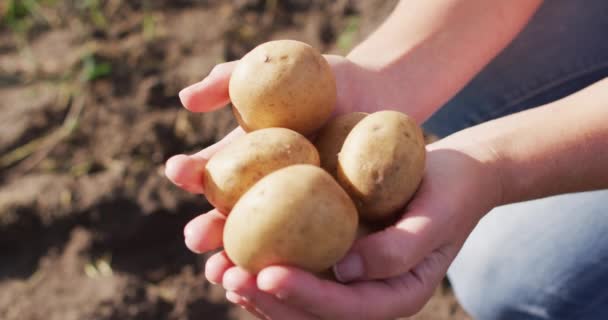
{"points": [[547, 258]]}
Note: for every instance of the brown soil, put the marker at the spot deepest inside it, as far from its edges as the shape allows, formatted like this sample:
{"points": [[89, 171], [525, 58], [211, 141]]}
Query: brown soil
{"points": [[89, 226]]}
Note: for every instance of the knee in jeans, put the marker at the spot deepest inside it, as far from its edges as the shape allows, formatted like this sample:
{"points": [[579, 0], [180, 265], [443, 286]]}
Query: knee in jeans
{"points": [[497, 294]]}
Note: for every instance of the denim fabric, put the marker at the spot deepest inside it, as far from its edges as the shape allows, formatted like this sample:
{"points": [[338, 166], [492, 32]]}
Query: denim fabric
{"points": [[563, 49], [547, 258], [542, 259]]}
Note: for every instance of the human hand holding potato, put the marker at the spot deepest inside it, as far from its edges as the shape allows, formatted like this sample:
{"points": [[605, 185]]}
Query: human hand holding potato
{"points": [[211, 94], [405, 261]]}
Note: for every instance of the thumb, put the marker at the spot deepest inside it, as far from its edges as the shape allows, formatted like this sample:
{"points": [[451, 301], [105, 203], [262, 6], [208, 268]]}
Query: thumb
{"points": [[212, 92], [185, 171], [390, 252]]}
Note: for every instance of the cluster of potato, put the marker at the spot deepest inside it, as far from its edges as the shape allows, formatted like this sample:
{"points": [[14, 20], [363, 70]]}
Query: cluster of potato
{"points": [[292, 202]]}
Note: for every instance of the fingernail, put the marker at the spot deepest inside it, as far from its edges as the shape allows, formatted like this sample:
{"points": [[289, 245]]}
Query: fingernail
{"points": [[229, 285], [191, 246], [195, 86], [183, 94], [191, 87], [233, 297], [350, 268], [187, 231], [186, 93], [189, 239]]}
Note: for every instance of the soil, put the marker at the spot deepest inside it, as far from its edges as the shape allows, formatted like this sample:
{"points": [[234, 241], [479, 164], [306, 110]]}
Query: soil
{"points": [[89, 226]]}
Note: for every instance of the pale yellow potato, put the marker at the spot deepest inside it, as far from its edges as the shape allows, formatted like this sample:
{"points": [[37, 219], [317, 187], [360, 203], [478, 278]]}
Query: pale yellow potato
{"points": [[283, 83], [235, 168], [382, 163], [331, 137], [297, 216]]}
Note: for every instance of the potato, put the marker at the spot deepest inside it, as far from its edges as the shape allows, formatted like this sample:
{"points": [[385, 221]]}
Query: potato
{"points": [[331, 137], [297, 216], [234, 169], [283, 83], [381, 163]]}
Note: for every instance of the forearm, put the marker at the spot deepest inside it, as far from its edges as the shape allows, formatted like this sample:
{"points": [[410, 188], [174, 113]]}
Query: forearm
{"points": [[558, 148], [427, 50]]}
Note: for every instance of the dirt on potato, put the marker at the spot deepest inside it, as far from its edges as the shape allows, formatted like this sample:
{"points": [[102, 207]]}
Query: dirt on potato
{"points": [[89, 226]]}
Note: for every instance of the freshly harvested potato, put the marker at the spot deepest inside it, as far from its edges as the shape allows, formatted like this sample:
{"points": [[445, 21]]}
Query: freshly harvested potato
{"points": [[331, 137], [283, 83], [234, 169], [297, 216], [381, 163]]}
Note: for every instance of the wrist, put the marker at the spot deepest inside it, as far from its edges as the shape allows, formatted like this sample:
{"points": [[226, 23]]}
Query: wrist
{"points": [[381, 87], [486, 168], [353, 85]]}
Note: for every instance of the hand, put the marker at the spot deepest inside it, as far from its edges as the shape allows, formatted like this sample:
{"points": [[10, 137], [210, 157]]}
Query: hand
{"points": [[403, 263], [352, 80]]}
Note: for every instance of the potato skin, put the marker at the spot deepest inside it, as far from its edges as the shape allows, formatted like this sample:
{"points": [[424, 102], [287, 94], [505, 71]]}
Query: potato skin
{"points": [[283, 83], [234, 169], [382, 163], [297, 216], [331, 137]]}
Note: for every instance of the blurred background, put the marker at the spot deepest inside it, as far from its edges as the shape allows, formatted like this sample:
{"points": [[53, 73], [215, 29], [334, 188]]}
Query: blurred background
{"points": [[89, 226]]}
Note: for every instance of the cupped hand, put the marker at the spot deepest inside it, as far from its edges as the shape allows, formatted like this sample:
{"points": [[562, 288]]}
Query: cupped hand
{"points": [[386, 274], [352, 81], [210, 94]]}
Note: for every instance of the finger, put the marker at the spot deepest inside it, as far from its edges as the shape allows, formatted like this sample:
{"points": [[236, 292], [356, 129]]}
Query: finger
{"points": [[186, 171], [244, 303], [238, 280], [211, 93], [216, 266], [414, 289], [403, 295], [208, 152], [243, 283], [272, 308], [304, 291], [265, 306], [390, 252], [204, 233]]}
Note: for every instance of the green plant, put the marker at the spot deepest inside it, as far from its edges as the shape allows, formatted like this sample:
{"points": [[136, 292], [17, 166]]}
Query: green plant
{"points": [[95, 13], [347, 38], [17, 15], [149, 26], [93, 69], [21, 15]]}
